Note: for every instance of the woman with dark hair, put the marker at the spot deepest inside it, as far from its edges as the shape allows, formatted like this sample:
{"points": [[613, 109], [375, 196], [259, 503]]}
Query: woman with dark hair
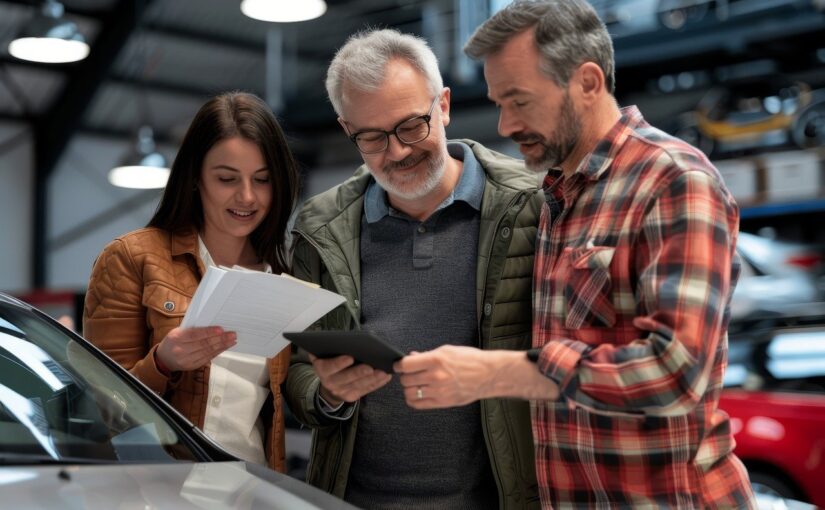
{"points": [[231, 191]]}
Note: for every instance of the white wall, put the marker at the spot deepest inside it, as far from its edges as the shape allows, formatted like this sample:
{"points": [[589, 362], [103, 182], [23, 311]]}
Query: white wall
{"points": [[79, 193], [16, 213]]}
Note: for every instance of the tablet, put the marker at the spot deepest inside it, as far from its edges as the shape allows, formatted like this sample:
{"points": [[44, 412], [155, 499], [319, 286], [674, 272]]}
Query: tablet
{"points": [[364, 346]]}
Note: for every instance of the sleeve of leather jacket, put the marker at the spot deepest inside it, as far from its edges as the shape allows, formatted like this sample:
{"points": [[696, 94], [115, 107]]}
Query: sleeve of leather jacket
{"points": [[114, 318], [301, 382]]}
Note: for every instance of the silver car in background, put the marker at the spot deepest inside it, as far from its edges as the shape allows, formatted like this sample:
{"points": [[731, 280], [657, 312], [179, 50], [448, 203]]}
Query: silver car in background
{"points": [[777, 277]]}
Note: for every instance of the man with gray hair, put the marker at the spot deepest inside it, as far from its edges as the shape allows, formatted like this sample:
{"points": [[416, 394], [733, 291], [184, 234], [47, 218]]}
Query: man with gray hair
{"points": [[431, 241], [633, 275]]}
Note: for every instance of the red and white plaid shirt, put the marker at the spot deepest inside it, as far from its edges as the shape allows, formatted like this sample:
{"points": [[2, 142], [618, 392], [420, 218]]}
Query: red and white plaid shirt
{"points": [[634, 271]]}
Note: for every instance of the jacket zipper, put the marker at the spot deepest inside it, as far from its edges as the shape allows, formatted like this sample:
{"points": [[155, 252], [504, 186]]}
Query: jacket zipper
{"points": [[492, 246], [340, 449], [484, 422]]}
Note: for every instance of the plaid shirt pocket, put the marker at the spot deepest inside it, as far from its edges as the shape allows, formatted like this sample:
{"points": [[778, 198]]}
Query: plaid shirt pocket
{"points": [[587, 291]]}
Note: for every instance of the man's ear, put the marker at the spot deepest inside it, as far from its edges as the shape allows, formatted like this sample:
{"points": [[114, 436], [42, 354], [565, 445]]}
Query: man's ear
{"points": [[589, 82], [344, 125], [444, 104]]}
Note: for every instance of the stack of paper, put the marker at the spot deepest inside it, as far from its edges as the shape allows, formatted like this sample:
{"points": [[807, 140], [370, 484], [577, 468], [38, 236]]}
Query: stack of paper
{"points": [[258, 307]]}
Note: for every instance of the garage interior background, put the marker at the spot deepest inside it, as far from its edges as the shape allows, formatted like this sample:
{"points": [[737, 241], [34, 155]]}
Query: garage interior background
{"points": [[154, 62]]}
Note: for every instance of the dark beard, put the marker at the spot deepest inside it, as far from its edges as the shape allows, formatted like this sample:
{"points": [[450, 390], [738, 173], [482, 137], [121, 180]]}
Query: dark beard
{"points": [[561, 144]]}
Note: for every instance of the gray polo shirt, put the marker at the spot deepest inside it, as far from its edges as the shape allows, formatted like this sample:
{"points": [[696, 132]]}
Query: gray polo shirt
{"points": [[418, 283]]}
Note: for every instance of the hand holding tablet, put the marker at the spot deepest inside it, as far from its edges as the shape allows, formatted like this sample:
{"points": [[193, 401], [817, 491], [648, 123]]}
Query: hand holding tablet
{"points": [[364, 346]]}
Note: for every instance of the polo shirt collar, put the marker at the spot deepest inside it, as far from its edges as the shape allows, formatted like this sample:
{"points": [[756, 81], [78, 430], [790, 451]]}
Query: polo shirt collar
{"points": [[470, 187]]}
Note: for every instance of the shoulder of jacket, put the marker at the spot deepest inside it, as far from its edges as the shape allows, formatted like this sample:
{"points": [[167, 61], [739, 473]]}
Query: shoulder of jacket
{"points": [[502, 171], [139, 243], [321, 209], [145, 234]]}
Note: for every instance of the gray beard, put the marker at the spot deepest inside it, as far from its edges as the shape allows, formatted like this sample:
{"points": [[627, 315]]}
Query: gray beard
{"points": [[436, 166]]}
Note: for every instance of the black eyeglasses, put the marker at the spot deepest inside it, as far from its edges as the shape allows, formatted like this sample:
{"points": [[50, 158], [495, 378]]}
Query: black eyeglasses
{"points": [[410, 131]]}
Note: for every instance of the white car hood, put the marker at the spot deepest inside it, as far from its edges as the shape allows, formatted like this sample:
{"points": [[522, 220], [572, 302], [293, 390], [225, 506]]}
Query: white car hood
{"points": [[217, 485]]}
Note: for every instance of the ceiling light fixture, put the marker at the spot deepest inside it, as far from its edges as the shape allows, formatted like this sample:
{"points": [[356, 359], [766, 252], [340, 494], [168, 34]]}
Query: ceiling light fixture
{"points": [[143, 167], [283, 11], [50, 39]]}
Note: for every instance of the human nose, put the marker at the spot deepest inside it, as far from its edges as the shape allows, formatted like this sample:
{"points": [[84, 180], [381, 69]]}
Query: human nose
{"points": [[507, 124], [396, 149], [245, 193]]}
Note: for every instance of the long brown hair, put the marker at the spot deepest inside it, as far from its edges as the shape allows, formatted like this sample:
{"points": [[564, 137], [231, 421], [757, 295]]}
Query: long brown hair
{"points": [[225, 116]]}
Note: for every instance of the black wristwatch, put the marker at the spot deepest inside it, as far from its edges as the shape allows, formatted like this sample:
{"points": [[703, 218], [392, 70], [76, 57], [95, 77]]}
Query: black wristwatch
{"points": [[533, 354]]}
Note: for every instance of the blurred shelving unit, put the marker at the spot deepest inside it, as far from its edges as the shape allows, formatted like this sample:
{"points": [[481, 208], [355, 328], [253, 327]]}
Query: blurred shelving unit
{"points": [[671, 53], [783, 208]]}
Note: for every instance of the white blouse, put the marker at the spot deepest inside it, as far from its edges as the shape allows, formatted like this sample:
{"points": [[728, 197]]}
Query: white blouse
{"points": [[238, 388]]}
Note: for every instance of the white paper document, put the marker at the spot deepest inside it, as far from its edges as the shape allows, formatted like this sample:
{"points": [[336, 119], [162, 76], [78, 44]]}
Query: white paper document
{"points": [[258, 307]]}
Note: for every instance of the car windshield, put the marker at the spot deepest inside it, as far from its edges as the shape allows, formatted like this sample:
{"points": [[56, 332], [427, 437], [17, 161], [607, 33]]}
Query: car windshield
{"points": [[60, 403]]}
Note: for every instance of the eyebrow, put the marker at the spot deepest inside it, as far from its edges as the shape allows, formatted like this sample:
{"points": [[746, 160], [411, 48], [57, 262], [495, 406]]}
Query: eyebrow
{"points": [[512, 91], [233, 169], [405, 119]]}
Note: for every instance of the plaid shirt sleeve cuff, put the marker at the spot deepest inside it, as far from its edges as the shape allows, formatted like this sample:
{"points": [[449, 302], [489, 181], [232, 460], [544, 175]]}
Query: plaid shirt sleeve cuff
{"points": [[559, 359]]}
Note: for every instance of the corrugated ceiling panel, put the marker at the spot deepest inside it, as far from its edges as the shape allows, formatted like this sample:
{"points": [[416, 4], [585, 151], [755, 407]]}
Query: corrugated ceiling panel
{"points": [[208, 66], [26, 90]]}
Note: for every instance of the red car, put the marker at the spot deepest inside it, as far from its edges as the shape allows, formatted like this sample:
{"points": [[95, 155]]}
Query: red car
{"points": [[775, 395]]}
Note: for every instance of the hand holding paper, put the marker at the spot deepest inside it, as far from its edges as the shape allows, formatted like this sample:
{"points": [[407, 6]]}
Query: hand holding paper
{"points": [[258, 307], [191, 348]]}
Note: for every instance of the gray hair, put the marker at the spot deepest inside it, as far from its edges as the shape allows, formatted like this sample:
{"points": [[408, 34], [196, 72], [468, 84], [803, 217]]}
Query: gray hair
{"points": [[361, 63], [568, 33]]}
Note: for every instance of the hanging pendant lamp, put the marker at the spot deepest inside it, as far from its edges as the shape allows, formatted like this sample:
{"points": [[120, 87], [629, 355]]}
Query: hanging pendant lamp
{"points": [[283, 11], [49, 38], [143, 167]]}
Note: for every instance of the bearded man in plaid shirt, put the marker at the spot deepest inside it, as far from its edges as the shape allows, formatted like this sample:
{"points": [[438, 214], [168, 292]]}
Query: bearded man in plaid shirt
{"points": [[633, 275]]}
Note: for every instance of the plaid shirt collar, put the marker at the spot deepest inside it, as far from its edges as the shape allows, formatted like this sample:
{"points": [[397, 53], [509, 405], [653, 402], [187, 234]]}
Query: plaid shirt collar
{"points": [[595, 163]]}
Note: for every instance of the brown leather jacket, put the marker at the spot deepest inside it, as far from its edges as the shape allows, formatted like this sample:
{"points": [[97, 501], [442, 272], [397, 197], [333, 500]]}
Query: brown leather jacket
{"points": [[140, 288]]}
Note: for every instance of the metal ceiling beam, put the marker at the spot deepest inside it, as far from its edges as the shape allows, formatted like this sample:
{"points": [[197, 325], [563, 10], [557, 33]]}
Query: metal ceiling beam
{"points": [[152, 84], [161, 137], [15, 117], [122, 208], [68, 9], [168, 87], [10, 84], [54, 129], [206, 37], [236, 43], [14, 141]]}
